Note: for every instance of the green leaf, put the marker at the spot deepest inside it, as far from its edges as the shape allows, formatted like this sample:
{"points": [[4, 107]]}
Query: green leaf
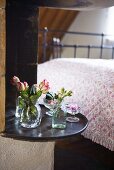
{"points": [[49, 96], [39, 93], [21, 103], [24, 94], [33, 99]]}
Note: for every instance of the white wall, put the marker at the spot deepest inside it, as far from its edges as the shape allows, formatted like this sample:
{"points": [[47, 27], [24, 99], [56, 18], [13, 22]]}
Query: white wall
{"points": [[87, 21]]}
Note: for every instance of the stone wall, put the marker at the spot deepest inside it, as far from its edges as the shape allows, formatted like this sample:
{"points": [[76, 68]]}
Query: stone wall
{"points": [[24, 155], [2, 64]]}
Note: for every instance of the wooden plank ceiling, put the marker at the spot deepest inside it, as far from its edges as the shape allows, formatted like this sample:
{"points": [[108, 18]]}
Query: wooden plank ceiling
{"points": [[54, 19]]}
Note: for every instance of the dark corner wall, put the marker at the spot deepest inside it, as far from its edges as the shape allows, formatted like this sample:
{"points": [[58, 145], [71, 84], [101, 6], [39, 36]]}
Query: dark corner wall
{"points": [[21, 45], [22, 41]]}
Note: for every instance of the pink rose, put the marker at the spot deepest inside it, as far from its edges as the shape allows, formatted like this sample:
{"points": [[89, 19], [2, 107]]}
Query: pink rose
{"points": [[44, 86], [15, 80], [20, 86]]}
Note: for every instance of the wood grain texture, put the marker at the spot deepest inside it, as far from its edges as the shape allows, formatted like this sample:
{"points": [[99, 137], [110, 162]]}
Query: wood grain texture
{"points": [[2, 69], [2, 103], [2, 3]]}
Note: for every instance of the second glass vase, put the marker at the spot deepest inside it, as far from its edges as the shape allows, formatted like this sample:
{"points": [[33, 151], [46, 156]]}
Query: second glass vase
{"points": [[59, 118]]}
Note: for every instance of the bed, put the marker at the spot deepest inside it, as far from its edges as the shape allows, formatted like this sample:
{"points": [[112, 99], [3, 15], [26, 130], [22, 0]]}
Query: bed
{"points": [[92, 83]]}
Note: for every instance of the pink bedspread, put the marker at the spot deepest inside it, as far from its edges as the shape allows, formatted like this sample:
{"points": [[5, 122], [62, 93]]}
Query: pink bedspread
{"points": [[92, 83]]}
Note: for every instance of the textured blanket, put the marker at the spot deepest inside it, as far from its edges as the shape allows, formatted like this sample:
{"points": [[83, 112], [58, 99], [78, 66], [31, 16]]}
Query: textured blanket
{"points": [[92, 83]]}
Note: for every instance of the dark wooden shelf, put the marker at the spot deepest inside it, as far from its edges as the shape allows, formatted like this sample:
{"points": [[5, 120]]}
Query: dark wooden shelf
{"points": [[44, 132]]}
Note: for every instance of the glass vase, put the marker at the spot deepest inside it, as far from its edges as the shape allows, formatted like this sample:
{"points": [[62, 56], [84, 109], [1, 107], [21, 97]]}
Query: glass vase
{"points": [[59, 118], [31, 116]]}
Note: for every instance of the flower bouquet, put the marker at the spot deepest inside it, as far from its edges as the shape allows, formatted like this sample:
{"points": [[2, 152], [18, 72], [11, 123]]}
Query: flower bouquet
{"points": [[27, 107], [54, 102]]}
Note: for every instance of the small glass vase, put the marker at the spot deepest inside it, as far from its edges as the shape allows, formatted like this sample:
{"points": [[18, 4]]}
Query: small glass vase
{"points": [[50, 104], [31, 116], [59, 118]]}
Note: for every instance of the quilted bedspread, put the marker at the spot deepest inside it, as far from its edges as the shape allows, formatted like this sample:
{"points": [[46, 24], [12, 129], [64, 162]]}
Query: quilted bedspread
{"points": [[92, 83]]}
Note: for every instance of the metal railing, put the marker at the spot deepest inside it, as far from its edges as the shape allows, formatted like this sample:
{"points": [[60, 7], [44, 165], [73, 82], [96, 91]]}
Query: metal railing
{"points": [[57, 46]]}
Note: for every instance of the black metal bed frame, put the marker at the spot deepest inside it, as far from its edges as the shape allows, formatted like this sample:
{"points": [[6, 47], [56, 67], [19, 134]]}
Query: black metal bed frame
{"points": [[56, 45]]}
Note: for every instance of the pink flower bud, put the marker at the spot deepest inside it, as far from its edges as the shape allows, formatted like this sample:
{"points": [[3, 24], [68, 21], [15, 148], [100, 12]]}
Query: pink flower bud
{"points": [[41, 84], [26, 85], [15, 80], [20, 86], [44, 86]]}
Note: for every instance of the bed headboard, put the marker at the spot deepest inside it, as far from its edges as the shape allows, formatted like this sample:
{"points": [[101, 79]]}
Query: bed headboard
{"points": [[86, 43]]}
